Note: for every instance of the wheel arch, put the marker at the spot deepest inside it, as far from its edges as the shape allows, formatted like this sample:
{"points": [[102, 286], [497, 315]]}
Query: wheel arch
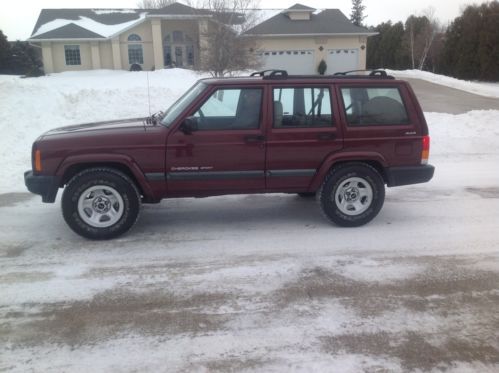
{"points": [[374, 160], [74, 165]]}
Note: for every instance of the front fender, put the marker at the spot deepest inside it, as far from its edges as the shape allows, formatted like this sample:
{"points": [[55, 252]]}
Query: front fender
{"points": [[106, 159]]}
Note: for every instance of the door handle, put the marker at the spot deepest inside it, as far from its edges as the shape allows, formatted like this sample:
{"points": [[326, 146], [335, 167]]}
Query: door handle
{"points": [[254, 138], [326, 136]]}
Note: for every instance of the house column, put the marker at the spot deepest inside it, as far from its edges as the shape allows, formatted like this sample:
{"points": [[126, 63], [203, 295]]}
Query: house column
{"points": [[116, 53], [48, 62], [157, 43], [94, 45], [204, 43]]}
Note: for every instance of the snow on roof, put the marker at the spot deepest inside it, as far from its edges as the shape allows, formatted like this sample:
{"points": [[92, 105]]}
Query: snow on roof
{"points": [[111, 11], [89, 24]]}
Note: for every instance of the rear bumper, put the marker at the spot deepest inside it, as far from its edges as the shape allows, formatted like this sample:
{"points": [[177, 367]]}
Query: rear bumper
{"points": [[46, 186], [398, 176]]}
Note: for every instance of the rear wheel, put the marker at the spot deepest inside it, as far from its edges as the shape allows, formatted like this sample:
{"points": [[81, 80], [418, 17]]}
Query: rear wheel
{"points": [[352, 194], [100, 203]]}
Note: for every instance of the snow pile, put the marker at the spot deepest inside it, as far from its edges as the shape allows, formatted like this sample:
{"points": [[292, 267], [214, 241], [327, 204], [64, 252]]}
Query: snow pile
{"points": [[29, 107], [478, 88]]}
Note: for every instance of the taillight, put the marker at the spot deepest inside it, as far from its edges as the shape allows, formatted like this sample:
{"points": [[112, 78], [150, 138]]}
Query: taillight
{"points": [[38, 161], [425, 153]]}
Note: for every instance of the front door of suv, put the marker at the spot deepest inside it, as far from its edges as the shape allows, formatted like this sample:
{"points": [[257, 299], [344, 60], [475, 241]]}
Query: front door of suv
{"points": [[302, 134], [226, 153]]}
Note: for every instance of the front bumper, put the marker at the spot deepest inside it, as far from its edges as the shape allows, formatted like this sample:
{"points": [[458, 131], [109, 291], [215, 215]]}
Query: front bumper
{"points": [[398, 176], [46, 186]]}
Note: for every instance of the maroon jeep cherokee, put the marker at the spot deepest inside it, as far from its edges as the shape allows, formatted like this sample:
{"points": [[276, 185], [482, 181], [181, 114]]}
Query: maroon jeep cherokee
{"points": [[342, 138]]}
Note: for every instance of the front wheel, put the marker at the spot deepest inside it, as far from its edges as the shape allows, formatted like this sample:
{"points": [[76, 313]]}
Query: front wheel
{"points": [[100, 203], [352, 194]]}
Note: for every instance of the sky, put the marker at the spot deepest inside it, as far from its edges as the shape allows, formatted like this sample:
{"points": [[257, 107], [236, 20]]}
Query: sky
{"points": [[18, 17]]}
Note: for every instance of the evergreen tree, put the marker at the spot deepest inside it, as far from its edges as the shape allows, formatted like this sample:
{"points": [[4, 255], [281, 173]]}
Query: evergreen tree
{"points": [[357, 15], [4, 54]]}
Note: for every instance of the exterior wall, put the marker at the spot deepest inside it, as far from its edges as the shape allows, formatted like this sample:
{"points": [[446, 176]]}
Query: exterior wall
{"points": [[314, 43], [59, 59], [47, 58], [106, 55], [144, 30]]}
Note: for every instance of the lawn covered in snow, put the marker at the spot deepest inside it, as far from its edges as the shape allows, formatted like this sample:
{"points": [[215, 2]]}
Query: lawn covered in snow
{"points": [[29, 107]]}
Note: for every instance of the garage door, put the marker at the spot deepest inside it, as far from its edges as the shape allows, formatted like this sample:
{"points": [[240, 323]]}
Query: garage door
{"points": [[339, 60], [293, 61]]}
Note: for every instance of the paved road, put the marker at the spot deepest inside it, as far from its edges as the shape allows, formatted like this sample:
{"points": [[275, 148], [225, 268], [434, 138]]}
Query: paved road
{"points": [[440, 99]]}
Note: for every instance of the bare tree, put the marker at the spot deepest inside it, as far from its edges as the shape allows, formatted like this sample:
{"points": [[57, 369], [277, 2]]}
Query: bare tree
{"points": [[421, 32], [224, 49], [154, 4]]}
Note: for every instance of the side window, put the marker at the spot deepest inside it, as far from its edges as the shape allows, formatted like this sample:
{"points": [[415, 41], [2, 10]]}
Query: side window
{"points": [[72, 55], [302, 107], [374, 106], [231, 109]]}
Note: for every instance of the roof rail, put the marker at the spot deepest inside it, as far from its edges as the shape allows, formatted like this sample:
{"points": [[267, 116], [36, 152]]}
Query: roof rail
{"points": [[271, 74], [373, 74]]}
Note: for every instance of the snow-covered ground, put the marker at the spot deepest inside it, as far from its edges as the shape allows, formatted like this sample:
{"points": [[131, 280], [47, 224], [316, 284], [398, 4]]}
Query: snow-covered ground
{"points": [[247, 283]]}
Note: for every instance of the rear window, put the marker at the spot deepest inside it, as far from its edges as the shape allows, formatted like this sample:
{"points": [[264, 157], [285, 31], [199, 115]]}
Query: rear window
{"points": [[374, 106]]}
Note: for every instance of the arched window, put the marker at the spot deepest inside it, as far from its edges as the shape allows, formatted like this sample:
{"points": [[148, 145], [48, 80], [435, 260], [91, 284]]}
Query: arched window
{"points": [[135, 50], [134, 37]]}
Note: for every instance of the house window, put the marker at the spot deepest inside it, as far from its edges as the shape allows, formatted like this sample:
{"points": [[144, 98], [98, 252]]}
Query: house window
{"points": [[72, 54], [135, 54], [135, 51]]}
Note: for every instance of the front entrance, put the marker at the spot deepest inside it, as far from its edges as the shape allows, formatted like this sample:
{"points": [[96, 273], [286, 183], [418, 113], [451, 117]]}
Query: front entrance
{"points": [[178, 50]]}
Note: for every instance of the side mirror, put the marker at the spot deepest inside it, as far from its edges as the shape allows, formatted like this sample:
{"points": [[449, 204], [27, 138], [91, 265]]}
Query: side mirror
{"points": [[189, 125]]}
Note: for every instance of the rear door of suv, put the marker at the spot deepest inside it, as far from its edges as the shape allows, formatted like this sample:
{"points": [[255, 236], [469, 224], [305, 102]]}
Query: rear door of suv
{"points": [[302, 131]]}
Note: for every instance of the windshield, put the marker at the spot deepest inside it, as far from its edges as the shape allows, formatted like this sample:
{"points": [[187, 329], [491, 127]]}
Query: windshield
{"points": [[179, 106]]}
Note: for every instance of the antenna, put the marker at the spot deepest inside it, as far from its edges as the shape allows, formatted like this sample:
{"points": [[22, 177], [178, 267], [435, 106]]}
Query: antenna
{"points": [[148, 93]]}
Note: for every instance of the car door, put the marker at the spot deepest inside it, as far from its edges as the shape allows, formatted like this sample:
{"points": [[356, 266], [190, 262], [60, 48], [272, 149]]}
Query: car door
{"points": [[302, 134], [225, 151]]}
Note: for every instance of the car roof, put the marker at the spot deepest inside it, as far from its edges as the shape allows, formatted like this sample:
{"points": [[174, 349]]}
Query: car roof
{"points": [[281, 76]]}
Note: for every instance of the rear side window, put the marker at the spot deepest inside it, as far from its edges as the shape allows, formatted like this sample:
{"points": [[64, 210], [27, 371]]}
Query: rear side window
{"points": [[374, 106], [302, 107]]}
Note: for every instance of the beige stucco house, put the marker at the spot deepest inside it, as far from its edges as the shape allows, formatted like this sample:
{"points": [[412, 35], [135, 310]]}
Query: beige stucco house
{"points": [[295, 39]]}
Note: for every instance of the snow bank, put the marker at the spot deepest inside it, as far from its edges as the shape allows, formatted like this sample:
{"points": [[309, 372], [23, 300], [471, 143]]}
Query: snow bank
{"points": [[29, 107], [478, 88]]}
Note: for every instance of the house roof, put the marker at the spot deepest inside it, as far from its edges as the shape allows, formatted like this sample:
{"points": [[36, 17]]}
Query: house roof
{"points": [[106, 23], [327, 22], [69, 31]]}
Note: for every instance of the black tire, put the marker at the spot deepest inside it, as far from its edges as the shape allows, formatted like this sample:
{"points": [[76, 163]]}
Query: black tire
{"points": [[307, 194], [106, 189], [352, 194]]}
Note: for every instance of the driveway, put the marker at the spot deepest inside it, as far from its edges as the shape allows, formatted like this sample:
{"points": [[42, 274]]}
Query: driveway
{"points": [[440, 99]]}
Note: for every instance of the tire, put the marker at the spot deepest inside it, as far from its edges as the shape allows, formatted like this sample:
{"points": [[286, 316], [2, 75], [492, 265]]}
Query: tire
{"points": [[352, 194], [100, 203], [307, 194]]}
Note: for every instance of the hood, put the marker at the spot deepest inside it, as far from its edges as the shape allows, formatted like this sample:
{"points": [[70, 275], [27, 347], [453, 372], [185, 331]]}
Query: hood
{"points": [[96, 126]]}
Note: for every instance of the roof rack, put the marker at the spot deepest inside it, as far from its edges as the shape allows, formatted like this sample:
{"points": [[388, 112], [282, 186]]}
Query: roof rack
{"points": [[283, 74], [271, 74], [373, 74]]}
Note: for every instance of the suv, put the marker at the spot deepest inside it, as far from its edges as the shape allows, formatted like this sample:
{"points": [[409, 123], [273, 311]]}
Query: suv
{"points": [[341, 138]]}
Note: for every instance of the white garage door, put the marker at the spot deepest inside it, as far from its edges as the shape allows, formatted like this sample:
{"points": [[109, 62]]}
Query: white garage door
{"points": [[293, 61], [339, 60]]}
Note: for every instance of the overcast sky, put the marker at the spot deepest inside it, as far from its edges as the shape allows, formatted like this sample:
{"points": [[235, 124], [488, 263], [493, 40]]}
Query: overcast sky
{"points": [[18, 17]]}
